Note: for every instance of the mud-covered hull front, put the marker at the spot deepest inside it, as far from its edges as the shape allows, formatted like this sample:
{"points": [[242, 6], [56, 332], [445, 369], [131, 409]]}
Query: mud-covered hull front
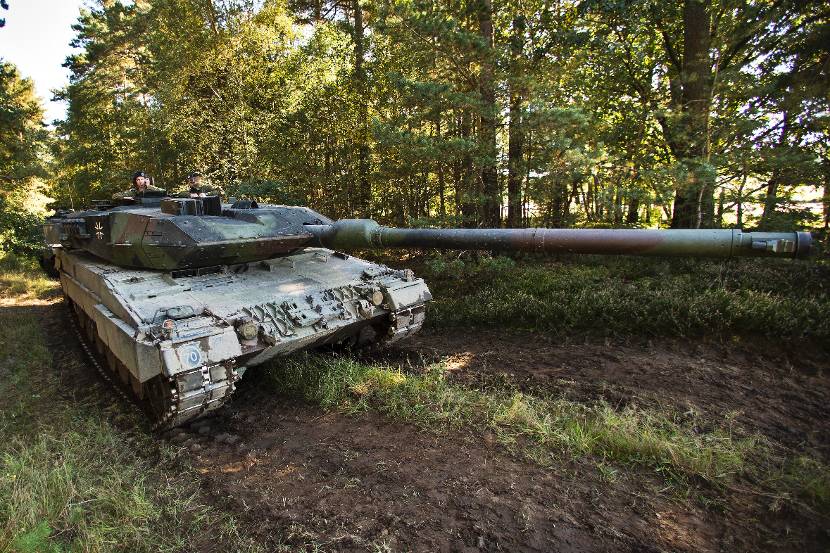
{"points": [[185, 340]]}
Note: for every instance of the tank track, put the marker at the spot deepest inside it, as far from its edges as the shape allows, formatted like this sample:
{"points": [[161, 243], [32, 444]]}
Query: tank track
{"points": [[167, 401]]}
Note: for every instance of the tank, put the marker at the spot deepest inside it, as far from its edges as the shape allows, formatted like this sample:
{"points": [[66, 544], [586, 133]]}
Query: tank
{"points": [[175, 298]]}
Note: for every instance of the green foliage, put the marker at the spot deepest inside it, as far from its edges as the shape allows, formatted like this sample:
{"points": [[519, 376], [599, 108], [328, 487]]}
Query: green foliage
{"points": [[789, 215], [265, 190], [483, 268], [808, 479], [36, 541], [644, 296], [20, 230], [54, 484], [23, 138], [20, 277], [24, 163], [402, 110]]}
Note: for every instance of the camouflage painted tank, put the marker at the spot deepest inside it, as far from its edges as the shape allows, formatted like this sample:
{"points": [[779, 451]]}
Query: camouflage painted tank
{"points": [[177, 297]]}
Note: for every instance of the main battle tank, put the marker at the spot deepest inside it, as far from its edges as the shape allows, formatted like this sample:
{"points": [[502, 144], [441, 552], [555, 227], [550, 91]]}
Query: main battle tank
{"points": [[176, 297]]}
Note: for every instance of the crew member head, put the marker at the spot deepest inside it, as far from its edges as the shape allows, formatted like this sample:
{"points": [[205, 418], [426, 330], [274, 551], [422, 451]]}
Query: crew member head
{"points": [[140, 181], [194, 180], [194, 183]]}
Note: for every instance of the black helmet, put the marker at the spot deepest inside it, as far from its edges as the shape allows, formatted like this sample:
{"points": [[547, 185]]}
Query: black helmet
{"points": [[193, 175], [139, 174]]}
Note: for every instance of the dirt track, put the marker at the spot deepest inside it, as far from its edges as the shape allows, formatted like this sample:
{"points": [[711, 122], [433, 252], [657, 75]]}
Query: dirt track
{"points": [[296, 476]]}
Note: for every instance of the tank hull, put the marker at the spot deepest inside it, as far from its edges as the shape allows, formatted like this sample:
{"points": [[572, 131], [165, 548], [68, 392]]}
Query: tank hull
{"points": [[181, 343]]}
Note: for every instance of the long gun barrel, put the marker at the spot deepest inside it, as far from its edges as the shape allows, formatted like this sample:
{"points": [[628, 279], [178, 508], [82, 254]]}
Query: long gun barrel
{"points": [[365, 233], [192, 233]]}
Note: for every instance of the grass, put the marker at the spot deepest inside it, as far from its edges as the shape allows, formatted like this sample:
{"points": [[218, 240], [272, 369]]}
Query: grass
{"points": [[625, 296], [78, 474], [544, 428], [73, 479], [22, 279], [76, 490], [804, 478], [549, 430]]}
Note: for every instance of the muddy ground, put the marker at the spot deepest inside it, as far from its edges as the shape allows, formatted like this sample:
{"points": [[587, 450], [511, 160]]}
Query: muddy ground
{"points": [[299, 478], [778, 389]]}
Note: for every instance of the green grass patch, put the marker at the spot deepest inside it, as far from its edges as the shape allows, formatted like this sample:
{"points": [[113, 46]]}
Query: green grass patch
{"points": [[806, 479], [21, 278], [70, 480], [549, 430], [625, 296], [81, 490], [543, 428]]}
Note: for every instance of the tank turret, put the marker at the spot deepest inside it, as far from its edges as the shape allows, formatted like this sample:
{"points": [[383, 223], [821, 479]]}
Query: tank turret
{"points": [[177, 297]]}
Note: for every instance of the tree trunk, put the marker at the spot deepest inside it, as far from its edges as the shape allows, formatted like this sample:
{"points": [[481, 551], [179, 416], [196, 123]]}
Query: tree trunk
{"points": [[515, 148], [491, 204], [589, 199], [526, 202], [208, 8], [694, 198], [515, 157], [558, 205], [825, 198], [468, 206], [633, 215], [572, 198], [442, 207], [740, 217], [364, 191], [596, 200], [771, 200]]}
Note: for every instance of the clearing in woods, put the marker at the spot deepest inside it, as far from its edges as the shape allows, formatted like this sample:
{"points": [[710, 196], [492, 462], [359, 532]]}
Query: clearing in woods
{"points": [[462, 439]]}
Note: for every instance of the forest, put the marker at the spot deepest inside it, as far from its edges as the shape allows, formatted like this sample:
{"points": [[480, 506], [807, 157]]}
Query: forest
{"points": [[471, 113], [558, 402]]}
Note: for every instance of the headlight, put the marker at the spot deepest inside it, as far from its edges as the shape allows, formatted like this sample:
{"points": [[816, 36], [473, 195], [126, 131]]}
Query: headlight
{"points": [[168, 327], [377, 298]]}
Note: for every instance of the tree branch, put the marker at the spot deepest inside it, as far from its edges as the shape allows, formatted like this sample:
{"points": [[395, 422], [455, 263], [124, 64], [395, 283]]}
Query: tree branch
{"points": [[673, 58]]}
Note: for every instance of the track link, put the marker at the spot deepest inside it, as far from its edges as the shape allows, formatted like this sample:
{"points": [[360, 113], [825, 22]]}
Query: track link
{"points": [[167, 401]]}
